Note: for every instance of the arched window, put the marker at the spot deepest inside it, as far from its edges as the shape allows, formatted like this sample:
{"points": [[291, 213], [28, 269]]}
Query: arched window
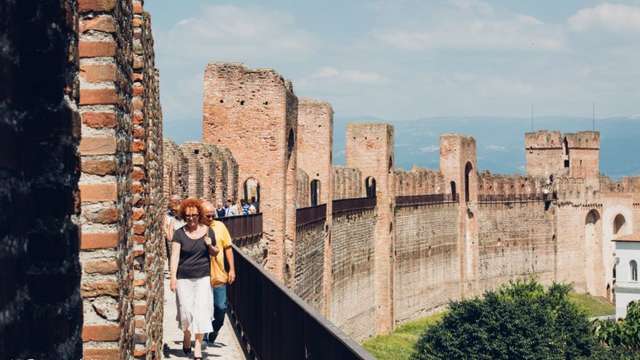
{"points": [[467, 172], [315, 192], [634, 270], [618, 223], [252, 192], [453, 190], [370, 185]]}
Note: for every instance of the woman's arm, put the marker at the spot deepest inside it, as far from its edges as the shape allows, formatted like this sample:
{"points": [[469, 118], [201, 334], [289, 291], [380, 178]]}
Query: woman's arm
{"points": [[173, 264], [228, 252]]}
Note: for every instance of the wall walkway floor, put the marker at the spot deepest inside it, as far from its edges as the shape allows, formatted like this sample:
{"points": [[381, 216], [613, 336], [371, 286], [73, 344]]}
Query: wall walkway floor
{"points": [[225, 347]]}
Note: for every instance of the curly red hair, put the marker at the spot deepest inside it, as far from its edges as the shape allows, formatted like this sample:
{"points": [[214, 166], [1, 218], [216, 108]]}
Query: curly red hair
{"points": [[190, 203]]}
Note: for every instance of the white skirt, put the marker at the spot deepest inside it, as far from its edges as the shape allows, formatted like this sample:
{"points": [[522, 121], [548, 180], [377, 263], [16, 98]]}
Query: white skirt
{"points": [[195, 305]]}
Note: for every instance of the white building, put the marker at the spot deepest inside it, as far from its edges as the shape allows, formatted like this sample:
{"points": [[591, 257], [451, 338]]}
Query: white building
{"points": [[627, 286]]}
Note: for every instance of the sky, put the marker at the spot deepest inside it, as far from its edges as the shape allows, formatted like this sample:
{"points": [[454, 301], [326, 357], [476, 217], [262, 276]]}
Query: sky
{"points": [[408, 59]]}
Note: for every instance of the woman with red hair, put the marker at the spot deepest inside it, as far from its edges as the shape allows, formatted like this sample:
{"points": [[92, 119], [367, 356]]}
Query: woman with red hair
{"points": [[191, 250]]}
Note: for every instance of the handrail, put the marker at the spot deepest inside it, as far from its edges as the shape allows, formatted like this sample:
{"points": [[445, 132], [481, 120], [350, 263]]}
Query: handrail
{"points": [[351, 205], [310, 215], [514, 198], [413, 200], [244, 226], [272, 323]]}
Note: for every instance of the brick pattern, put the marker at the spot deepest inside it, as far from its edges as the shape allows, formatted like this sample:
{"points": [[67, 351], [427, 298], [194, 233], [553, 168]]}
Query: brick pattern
{"points": [[419, 181], [310, 264], [426, 262], [147, 182], [39, 172], [253, 113], [353, 307], [200, 170], [515, 241], [105, 49], [348, 183], [303, 189]]}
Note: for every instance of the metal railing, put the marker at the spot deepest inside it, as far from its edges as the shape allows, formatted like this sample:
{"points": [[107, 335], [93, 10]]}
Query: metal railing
{"points": [[514, 198], [310, 215], [351, 205], [413, 200], [244, 229], [272, 323]]}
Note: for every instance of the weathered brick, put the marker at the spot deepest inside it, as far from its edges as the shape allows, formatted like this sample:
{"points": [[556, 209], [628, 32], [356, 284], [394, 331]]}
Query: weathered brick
{"points": [[98, 145], [99, 167], [140, 309], [105, 96], [100, 354], [139, 229], [87, 49], [96, 5], [103, 23], [98, 240], [101, 266], [103, 216], [98, 192], [137, 7], [100, 72], [99, 120], [99, 288], [100, 332], [138, 213]]}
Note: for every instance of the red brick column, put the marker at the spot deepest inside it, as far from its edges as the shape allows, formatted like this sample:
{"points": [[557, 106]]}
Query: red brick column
{"points": [[105, 106]]}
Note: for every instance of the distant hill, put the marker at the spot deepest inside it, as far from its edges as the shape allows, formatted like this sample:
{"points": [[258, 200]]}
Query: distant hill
{"points": [[500, 141]]}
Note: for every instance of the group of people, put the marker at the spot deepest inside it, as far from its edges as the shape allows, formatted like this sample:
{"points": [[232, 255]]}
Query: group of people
{"points": [[198, 248], [240, 208]]}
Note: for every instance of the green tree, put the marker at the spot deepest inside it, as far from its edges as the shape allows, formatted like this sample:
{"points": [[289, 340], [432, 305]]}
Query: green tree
{"points": [[622, 335], [521, 320]]}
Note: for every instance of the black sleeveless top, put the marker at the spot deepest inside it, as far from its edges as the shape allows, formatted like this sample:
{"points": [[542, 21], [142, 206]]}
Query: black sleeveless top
{"points": [[194, 255]]}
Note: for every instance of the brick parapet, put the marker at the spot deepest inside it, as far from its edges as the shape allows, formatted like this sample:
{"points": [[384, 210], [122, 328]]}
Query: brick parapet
{"points": [[418, 181], [347, 183], [106, 107]]}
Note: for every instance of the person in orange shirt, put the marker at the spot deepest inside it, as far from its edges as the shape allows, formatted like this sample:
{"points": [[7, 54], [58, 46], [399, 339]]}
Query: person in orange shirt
{"points": [[223, 242]]}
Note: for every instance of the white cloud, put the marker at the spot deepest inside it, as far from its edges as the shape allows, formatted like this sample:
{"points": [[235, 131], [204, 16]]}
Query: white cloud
{"points": [[498, 148], [237, 33], [611, 17], [473, 24], [349, 75], [430, 149]]}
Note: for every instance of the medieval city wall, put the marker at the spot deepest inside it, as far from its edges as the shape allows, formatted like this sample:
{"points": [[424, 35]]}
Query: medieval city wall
{"points": [[352, 305], [426, 262], [309, 271], [516, 240]]}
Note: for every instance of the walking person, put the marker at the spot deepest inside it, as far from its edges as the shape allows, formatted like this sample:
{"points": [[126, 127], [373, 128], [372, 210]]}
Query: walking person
{"points": [[192, 248], [220, 277], [172, 222]]}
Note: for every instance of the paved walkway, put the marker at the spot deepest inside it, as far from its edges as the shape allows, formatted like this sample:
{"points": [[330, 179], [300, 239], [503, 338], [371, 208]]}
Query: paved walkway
{"points": [[226, 346]]}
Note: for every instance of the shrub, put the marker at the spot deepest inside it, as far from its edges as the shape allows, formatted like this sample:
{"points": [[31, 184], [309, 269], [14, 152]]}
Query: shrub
{"points": [[521, 320]]}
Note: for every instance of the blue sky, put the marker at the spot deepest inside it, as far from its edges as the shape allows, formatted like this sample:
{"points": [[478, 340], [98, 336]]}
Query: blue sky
{"points": [[408, 59]]}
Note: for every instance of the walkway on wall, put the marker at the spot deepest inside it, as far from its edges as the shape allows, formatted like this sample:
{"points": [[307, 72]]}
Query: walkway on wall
{"points": [[226, 346]]}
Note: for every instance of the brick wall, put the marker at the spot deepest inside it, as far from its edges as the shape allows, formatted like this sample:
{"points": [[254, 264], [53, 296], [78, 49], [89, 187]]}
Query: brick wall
{"points": [[310, 264], [106, 37], [353, 304], [39, 170], [347, 183], [419, 181], [516, 240], [426, 261]]}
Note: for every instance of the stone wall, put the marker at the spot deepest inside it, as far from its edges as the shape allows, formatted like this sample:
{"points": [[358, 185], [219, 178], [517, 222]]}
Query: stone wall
{"points": [[310, 263], [39, 173], [426, 263], [515, 240], [353, 303], [419, 181]]}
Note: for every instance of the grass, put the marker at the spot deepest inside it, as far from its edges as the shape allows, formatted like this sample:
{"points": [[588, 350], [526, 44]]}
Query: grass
{"points": [[399, 344], [593, 305]]}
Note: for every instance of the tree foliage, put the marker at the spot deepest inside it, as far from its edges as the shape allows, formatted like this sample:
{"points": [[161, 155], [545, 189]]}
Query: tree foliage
{"points": [[622, 335], [521, 320]]}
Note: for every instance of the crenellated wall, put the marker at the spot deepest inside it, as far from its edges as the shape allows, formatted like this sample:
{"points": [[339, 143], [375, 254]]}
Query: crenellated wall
{"points": [[347, 183]]}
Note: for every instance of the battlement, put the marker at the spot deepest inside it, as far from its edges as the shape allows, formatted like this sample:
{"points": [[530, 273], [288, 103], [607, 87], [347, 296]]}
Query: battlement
{"points": [[584, 140], [572, 154], [543, 139], [347, 183], [418, 181], [497, 184]]}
